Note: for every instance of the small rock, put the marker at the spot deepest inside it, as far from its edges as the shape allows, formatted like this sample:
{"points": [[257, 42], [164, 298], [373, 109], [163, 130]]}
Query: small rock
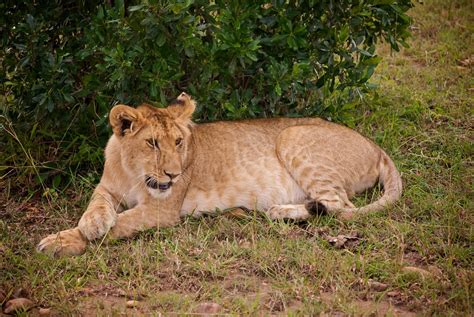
{"points": [[44, 311], [377, 286], [412, 269], [207, 308], [132, 303], [18, 305]]}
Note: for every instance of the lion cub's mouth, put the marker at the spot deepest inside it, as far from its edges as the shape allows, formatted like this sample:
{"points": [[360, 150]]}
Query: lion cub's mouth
{"points": [[151, 182], [164, 186]]}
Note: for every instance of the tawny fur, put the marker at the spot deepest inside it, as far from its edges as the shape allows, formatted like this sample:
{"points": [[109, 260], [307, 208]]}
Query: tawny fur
{"points": [[274, 165]]}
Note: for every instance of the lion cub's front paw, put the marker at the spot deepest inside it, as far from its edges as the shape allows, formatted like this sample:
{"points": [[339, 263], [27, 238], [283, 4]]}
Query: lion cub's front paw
{"points": [[67, 242]]}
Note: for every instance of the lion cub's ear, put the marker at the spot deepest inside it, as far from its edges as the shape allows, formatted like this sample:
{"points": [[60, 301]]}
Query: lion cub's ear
{"points": [[124, 120], [183, 108]]}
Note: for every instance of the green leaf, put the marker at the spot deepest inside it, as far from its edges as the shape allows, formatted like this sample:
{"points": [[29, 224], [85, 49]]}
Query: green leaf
{"points": [[160, 40], [189, 51], [343, 34], [365, 53], [136, 7], [291, 42], [56, 181], [278, 89], [252, 56], [153, 90]]}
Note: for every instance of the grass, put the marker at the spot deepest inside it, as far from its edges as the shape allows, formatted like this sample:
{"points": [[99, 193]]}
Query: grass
{"points": [[421, 114]]}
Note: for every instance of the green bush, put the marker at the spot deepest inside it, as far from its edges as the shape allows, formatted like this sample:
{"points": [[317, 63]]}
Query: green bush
{"points": [[67, 62]]}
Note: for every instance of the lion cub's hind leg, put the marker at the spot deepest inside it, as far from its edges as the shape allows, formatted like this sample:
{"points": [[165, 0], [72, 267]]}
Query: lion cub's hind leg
{"points": [[315, 170], [296, 211], [319, 203]]}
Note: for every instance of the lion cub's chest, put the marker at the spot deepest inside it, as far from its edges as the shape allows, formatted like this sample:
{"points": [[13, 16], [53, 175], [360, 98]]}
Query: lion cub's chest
{"points": [[255, 184]]}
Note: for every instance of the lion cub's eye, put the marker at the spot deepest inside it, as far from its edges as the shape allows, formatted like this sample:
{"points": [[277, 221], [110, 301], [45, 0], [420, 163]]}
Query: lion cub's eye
{"points": [[153, 143], [179, 141]]}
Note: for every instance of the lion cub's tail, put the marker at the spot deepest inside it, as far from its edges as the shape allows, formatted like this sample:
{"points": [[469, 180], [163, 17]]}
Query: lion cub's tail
{"points": [[390, 178]]}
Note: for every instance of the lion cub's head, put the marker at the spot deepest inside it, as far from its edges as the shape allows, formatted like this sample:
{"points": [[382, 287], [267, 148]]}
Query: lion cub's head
{"points": [[154, 142]]}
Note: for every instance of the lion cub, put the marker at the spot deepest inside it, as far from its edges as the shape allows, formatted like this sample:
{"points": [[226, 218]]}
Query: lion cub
{"points": [[160, 166]]}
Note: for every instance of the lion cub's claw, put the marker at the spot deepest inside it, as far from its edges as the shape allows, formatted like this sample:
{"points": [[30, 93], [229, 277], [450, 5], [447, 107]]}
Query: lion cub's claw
{"points": [[67, 242]]}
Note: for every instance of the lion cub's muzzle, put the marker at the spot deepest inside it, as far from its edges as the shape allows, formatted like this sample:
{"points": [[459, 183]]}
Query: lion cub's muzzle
{"points": [[153, 183]]}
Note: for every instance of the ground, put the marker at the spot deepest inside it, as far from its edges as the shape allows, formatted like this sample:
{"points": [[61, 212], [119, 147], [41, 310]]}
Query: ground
{"points": [[415, 258]]}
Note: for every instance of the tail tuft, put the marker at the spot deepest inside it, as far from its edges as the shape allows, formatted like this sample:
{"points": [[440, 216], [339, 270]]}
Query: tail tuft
{"points": [[314, 207]]}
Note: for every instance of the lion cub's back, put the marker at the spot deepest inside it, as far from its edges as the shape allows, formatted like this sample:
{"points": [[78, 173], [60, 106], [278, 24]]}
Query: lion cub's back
{"points": [[236, 165]]}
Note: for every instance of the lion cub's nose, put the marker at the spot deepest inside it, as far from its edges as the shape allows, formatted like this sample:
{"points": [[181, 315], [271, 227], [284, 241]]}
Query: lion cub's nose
{"points": [[171, 175]]}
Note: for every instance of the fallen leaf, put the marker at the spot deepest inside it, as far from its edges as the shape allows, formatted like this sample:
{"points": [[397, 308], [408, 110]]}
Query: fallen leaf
{"points": [[18, 305], [343, 241], [236, 213], [394, 294]]}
